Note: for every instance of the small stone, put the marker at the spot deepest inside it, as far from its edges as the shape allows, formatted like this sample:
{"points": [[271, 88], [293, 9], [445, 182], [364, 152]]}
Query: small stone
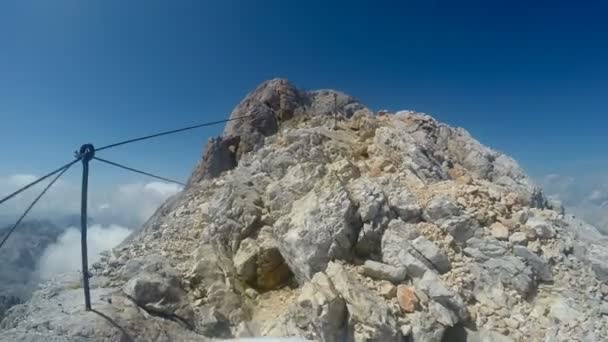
{"points": [[534, 246], [530, 233], [499, 231], [387, 289], [439, 209], [406, 330], [381, 271], [251, 293], [511, 323], [518, 238], [443, 315], [521, 216], [406, 296], [492, 216], [542, 228]]}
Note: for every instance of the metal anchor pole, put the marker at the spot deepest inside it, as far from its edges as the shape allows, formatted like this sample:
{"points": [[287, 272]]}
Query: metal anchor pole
{"points": [[87, 152]]}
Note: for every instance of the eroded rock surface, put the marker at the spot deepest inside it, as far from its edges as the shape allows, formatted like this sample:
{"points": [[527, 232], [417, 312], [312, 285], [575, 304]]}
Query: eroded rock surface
{"points": [[315, 218]]}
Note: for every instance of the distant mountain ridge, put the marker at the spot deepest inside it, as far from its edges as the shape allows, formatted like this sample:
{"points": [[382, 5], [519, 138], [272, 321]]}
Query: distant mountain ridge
{"points": [[19, 259]]}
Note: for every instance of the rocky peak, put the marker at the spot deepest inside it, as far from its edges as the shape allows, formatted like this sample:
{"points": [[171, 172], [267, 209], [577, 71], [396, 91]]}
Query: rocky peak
{"points": [[342, 227], [264, 110]]}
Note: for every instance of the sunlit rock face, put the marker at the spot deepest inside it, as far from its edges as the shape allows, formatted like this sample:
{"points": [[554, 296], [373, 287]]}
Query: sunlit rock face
{"points": [[313, 217]]}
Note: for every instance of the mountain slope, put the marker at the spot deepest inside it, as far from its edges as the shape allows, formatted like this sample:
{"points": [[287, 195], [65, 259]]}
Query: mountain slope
{"points": [[20, 256], [316, 218]]}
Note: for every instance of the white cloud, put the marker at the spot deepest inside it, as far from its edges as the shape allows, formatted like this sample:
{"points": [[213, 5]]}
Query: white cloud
{"points": [[128, 205], [585, 196], [19, 180], [65, 254], [115, 211], [133, 204]]}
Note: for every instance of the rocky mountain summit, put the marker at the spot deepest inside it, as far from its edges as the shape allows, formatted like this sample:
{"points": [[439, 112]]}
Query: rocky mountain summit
{"points": [[314, 217]]}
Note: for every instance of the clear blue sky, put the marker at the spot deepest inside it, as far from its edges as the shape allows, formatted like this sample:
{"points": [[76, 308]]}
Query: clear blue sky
{"points": [[529, 78]]}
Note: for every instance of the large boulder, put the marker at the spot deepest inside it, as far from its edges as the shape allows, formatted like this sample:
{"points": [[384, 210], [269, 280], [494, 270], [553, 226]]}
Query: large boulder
{"points": [[319, 312], [368, 315], [260, 264], [322, 226]]}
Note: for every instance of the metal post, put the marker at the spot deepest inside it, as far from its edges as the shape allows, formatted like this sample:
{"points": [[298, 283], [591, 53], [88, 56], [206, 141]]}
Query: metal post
{"points": [[87, 152]]}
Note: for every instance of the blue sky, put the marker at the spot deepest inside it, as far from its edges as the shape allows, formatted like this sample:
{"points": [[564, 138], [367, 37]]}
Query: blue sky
{"points": [[528, 79]]}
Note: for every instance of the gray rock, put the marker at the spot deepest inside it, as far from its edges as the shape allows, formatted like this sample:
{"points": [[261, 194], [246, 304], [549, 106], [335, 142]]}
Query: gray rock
{"points": [[499, 231], [320, 310], [322, 226], [512, 272], [425, 328], [486, 248], [443, 315], [156, 287], [518, 238], [563, 310], [604, 309], [56, 312], [543, 229], [155, 292], [245, 260], [484, 335], [438, 258], [397, 250], [219, 156], [433, 287], [381, 271], [439, 209], [261, 264], [521, 216], [461, 228], [540, 266], [371, 317], [404, 204]]}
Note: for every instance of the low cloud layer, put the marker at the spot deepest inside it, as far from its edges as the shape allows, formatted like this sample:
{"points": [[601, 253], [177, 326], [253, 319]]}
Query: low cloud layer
{"points": [[65, 254], [116, 211], [126, 205], [585, 196]]}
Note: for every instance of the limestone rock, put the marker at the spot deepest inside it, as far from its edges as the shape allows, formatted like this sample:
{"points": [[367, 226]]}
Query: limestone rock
{"points": [[381, 271], [443, 315], [542, 228], [539, 265], [518, 238], [397, 251], [461, 228], [261, 265], [499, 231], [484, 249], [154, 292], [371, 317], [157, 290], [440, 209], [322, 226], [426, 328], [321, 309], [438, 258], [245, 260], [433, 287]]}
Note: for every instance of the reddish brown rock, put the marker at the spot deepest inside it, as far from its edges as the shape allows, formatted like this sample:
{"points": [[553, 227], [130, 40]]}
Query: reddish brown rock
{"points": [[406, 296]]}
